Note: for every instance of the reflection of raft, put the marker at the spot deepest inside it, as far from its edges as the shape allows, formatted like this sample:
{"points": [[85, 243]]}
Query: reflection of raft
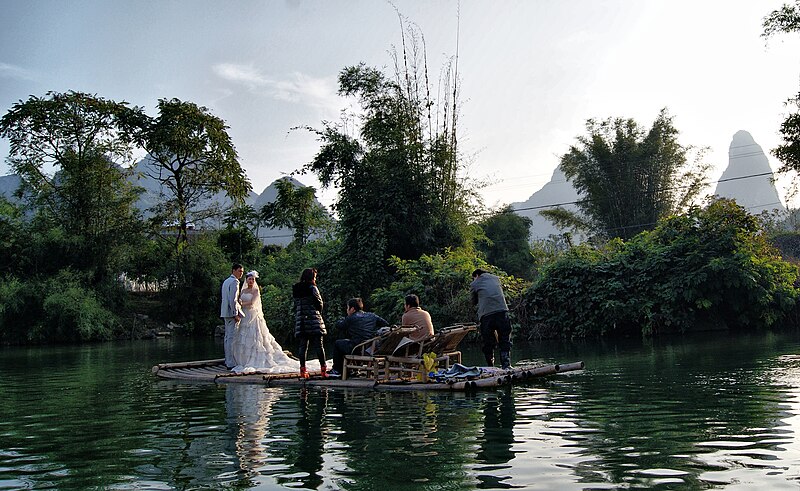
{"points": [[215, 371]]}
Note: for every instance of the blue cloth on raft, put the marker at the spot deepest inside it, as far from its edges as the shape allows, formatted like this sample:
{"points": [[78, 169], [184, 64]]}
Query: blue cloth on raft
{"points": [[456, 372]]}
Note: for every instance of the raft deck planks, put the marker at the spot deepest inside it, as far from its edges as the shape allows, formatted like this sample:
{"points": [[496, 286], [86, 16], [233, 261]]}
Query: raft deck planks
{"points": [[216, 371]]}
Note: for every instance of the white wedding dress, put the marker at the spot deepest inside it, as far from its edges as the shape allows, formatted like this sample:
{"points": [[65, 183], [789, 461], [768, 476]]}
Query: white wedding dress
{"points": [[255, 349]]}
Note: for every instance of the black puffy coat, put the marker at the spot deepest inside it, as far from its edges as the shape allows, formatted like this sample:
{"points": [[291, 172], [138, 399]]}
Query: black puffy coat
{"points": [[307, 310]]}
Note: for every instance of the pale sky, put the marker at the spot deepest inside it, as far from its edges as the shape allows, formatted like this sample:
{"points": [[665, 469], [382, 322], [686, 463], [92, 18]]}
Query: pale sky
{"points": [[532, 71]]}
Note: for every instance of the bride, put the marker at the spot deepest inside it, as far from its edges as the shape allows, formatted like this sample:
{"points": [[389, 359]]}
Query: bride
{"points": [[254, 349]]}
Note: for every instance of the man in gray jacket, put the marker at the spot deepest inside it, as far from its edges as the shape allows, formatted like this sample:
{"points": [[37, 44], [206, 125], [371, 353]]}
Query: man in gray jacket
{"points": [[487, 293]]}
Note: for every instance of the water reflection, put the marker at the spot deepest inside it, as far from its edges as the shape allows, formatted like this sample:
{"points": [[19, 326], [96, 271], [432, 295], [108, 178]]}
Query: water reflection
{"points": [[320, 438], [310, 429], [249, 408], [494, 448], [681, 425], [684, 413]]}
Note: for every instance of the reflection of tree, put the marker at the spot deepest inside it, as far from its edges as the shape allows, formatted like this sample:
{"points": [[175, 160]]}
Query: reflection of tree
{"points": [[404, 440], [294, 439], [494, 447]]}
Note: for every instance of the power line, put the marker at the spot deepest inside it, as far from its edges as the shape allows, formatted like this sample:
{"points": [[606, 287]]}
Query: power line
{"points": [[536, 177], [762, 174], [642, 225], [554, 205]]}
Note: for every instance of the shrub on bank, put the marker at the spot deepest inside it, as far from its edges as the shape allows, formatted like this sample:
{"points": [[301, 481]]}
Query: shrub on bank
{"points": [[709, 268], [442, 283], [57, 309], [194, 293], [20, 307], [73, 313]]}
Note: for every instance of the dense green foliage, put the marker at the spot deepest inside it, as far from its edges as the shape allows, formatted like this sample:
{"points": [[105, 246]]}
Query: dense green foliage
{"points": [[78, 230], [708, 268], [786, 19], [59, 309], [788, 243], [238, 244], [507, 243], [61, 247], [195, 299], [628, 178], [193, 157], [400, 189], [442, 283], [296, 208], [87, 201], [403, 222], [788, 152]]}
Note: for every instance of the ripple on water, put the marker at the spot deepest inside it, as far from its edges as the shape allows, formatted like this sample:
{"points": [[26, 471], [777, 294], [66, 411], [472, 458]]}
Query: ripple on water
{"points": [[672, 416]]}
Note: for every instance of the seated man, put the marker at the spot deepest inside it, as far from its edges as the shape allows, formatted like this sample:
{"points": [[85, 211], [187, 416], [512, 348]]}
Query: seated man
{"points": [[415, 316], [356, 328]]}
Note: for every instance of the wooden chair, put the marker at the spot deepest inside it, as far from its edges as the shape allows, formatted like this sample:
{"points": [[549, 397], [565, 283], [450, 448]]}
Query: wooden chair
{"points": [[370, 356], [443, 343]]}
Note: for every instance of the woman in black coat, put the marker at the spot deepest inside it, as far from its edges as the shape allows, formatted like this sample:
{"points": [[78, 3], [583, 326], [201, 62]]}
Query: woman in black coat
{"points": [[308, 324]]}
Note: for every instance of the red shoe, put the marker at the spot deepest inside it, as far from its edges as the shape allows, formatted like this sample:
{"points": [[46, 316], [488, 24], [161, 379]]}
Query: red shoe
{"points": [[303, 372], [323, 371]]}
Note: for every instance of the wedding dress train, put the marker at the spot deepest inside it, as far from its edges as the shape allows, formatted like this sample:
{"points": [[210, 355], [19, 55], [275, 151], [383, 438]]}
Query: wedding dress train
{"points": [[255, 349]]}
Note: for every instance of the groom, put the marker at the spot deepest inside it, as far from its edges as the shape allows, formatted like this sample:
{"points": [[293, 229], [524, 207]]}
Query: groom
{"points": [[230, 310]]}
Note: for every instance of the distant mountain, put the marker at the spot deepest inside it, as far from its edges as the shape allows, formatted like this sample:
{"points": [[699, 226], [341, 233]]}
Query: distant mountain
{"points": [[746, 158], [8, 186], [152, 195], [559, 190], [280, 236]]}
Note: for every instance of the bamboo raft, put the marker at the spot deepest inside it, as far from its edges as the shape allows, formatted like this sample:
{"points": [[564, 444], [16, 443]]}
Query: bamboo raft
{"points": [[216, 371]]}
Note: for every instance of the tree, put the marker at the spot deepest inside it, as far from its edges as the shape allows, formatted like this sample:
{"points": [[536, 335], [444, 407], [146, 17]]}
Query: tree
{"points": [[442, 282], [789, 150], [400, 191], [243, 216], [296, 208], [238, 244], [787, 20], [69, 150], [12, 235], [629, 177], [508, 245], [193, 158], [708, 268]]}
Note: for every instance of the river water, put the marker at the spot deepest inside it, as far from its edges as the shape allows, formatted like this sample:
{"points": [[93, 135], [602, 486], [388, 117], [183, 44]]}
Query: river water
{"points": [[690, 412]]}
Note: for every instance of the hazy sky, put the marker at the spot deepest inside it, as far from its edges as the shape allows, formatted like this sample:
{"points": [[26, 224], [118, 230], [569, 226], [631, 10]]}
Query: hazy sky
{"points": [[532, 71]]}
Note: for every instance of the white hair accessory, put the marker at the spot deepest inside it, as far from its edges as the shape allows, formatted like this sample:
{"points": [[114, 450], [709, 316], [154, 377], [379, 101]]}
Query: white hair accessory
{"points": [[252, 273]]}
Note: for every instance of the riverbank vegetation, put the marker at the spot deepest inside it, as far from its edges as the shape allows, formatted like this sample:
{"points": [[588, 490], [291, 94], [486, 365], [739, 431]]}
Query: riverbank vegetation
{"points": [[80, 262]]}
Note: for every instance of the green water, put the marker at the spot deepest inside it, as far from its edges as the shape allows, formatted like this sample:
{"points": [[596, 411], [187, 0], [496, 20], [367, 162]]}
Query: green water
{"points": [[680, 413]]}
